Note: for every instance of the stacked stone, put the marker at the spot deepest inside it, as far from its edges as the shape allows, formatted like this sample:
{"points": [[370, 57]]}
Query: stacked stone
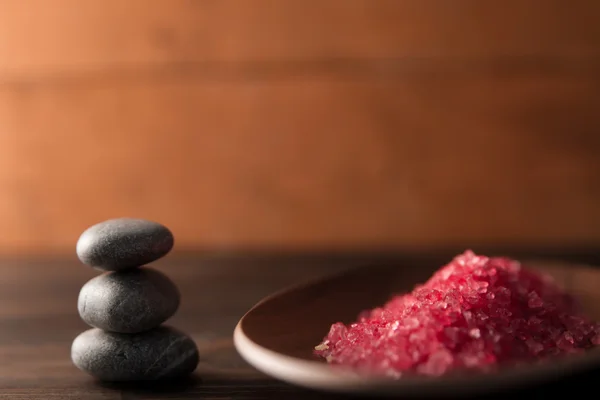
{"points": [[127, 305]]}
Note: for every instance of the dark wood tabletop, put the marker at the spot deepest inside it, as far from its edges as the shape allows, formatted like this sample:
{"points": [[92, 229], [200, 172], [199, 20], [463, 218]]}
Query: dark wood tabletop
{"points": [[39, 320]]}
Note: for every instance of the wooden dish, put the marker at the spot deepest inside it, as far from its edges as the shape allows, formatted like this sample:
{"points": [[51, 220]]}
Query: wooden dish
{"points": [[278, 335]]}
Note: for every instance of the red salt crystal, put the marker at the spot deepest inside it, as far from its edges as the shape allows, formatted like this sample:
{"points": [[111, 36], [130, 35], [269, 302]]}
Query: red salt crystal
{"points": [[364, 315], [411, 323], [534, 300], [468, 317], [565, 342], [475, 333], [480, 315], [482, 287], [551, 351], [400, 361], [578, 335], [500, 312], [438, 363], [476, 312], [337, 332], [503, 296], [573, 323], [554, 332], [454, 335], [535, 347], [534, 324]]}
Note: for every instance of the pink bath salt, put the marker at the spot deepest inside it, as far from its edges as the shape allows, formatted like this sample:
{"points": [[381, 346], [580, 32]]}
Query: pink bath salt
{"points": [[476, 312]]}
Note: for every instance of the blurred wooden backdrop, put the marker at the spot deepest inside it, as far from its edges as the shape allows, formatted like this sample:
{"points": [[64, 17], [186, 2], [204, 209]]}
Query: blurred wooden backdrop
{"points": [[301, 124]]}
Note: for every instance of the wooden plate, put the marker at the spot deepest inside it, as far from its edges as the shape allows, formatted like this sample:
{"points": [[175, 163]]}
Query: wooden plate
{"points": [[278, 335]]}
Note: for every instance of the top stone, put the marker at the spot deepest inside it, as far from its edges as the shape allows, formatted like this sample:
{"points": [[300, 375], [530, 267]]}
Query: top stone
{"points": [[123, 243]]}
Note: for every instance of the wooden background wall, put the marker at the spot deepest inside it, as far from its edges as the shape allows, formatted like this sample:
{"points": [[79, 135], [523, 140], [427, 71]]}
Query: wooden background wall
{"points": [[301, 124]]}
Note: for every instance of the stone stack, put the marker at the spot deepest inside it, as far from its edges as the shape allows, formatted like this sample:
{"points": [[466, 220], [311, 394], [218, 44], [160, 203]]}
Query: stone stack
{"points": [[127, 304]]}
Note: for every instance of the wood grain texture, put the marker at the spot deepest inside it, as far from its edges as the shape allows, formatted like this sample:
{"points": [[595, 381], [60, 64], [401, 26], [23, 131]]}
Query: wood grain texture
{"points": [[411, 160], [82, 36], [39, 320], [301, 124]]}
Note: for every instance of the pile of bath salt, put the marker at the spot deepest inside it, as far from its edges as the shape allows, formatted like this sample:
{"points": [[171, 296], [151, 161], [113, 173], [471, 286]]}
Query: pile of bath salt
{"points": [[474, 313]]}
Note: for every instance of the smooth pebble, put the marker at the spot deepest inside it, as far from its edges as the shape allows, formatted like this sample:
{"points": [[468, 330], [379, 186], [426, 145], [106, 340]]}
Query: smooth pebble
{"points": [[129, 301], [123, 243], [162, 353]]}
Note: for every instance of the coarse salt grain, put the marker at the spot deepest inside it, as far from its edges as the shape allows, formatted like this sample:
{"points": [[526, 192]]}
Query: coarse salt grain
{"points": [[476, 312]]}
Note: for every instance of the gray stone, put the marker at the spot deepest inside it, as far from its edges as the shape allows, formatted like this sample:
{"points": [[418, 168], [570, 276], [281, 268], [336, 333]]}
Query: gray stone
{"points": [[128, 301], [162, 353], [123, 243]]}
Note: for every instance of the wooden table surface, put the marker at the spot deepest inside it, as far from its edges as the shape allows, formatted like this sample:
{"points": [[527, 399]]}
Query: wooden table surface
{"points": [[39, 320]]}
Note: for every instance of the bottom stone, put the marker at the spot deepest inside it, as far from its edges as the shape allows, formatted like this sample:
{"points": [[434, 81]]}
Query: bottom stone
{"points": [[161, 353]]}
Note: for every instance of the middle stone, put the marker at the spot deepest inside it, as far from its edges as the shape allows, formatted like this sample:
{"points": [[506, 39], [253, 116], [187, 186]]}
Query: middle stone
{"points": [[129, 301]]}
